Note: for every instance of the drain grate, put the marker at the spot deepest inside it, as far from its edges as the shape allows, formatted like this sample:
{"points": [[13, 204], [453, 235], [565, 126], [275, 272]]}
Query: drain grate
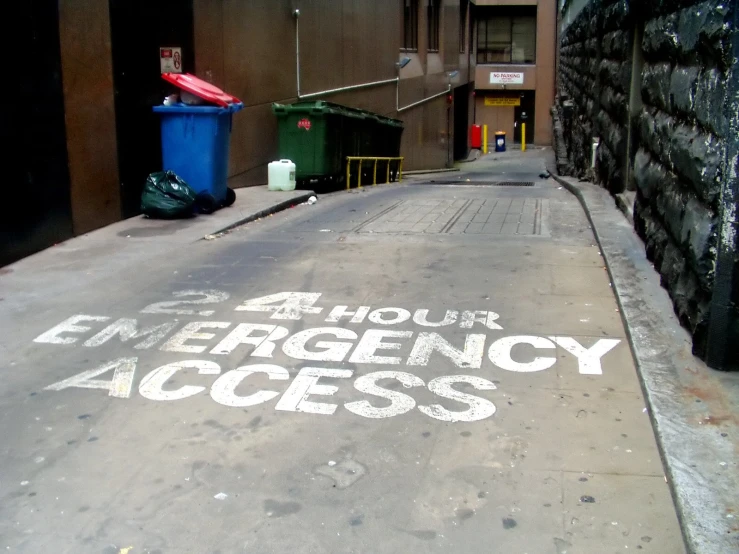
{"points": [[515, 184], [482, 183]]}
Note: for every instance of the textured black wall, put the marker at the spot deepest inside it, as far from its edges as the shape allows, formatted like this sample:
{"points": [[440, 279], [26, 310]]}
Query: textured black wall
{"points": [[663, 128]]}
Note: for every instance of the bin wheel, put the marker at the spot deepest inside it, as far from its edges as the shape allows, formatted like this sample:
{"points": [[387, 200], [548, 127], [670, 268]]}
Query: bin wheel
{"points": [[230, 197], [205, 203]]}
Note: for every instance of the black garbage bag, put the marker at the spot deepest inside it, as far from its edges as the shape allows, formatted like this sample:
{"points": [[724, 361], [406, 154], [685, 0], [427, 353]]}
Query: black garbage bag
{"points": [[167, 196]]}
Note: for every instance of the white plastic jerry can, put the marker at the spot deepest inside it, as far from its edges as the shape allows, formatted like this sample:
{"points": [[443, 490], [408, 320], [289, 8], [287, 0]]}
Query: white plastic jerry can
{"points": [[281, 175]]}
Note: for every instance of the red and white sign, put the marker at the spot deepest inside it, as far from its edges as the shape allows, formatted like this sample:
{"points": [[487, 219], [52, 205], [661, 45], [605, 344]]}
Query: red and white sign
{"points": [[497, 78], [170, 59], [304, 124]]}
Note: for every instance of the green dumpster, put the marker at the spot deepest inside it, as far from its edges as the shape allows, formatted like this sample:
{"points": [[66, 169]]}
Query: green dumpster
{"points": [[391, 131], [318, 136], [311, 135]]}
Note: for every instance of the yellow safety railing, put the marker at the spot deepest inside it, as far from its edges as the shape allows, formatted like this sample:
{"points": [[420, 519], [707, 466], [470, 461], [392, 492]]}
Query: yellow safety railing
{"points": [[361, 159]]}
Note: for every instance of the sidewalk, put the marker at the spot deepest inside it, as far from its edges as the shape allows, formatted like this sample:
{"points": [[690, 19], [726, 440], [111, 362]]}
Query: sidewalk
{"points": [[694, 409], [100, 255]]}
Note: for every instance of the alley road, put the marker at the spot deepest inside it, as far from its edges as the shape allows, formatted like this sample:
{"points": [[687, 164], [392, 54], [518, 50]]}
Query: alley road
{"points": [[412, 368]]}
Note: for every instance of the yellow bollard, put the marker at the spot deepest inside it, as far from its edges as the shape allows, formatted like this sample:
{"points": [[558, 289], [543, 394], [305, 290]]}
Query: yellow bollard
{"points": [[348, 174], [523, 137], [374, 177], [400, 170], [484, 139]]}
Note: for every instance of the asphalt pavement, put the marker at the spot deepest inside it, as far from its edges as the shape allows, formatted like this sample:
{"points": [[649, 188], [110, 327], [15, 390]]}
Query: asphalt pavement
{"points": [[412, 367]]}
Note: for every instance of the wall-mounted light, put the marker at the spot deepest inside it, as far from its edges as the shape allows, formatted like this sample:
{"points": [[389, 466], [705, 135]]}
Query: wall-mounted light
{"points": [[453, 74], [403, 62]]}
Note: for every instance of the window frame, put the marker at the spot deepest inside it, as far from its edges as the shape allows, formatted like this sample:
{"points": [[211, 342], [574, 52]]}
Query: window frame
{"points": [[482, 53], [409, 43], [433, 25], [464, 8]]}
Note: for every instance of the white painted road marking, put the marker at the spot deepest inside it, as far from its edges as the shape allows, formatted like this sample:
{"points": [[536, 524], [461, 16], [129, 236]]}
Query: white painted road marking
{"points": [[480, 408], [332, 351], [261, 340], [172, 306], [151, 386], [500, 354], [223, 389], [306, 384], [371, 342], [118, 387], [52, 336], [399, 403], [588, 359]]}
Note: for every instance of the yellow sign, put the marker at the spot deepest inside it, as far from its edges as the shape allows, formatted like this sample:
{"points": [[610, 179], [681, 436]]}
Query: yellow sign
{"points": [[502, 100]]}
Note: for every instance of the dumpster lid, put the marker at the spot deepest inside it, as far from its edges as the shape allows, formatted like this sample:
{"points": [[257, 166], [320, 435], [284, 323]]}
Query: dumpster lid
{"points": [[200, 88]]}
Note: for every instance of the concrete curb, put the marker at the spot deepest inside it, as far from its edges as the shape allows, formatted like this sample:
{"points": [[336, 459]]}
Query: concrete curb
{"points": [[474, 155], [703, 496], [625, 203], [284, 205], [425, 171]]}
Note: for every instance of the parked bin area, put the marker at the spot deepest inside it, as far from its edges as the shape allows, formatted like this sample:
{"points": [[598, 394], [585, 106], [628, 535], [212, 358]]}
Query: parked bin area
{"points": [[195, 138], [320, 137]]}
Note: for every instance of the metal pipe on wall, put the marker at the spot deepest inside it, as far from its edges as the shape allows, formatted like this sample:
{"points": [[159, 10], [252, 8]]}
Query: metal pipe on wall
{"points": [[396, 80], [414, 104], [350, 87], [300, 95]]}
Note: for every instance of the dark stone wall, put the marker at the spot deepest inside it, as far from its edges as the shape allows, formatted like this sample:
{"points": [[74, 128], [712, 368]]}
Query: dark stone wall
{"points": [[669, 143], [595, 76], [578, 97], [615, 81]]}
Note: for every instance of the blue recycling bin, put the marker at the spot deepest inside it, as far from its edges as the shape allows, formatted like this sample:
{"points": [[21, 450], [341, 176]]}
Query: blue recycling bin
{"points": [[500, 141], [195, 141]]}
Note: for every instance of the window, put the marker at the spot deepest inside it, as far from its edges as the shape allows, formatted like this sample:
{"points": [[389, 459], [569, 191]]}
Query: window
{"points": [[433, 24], [462, 25], [507, 36], [410, 25]]}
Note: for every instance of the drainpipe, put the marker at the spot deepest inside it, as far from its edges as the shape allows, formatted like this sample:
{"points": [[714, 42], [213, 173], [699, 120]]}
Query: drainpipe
{"points": [[722, 326], [296, 14], [594, 152]]}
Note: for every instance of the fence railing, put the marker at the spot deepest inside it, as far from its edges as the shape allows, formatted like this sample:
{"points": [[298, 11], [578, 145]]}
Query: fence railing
{"points": [[361, 159]]}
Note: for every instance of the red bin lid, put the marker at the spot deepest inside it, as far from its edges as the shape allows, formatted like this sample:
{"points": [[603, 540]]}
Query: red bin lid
{"points": [[200, 88]]}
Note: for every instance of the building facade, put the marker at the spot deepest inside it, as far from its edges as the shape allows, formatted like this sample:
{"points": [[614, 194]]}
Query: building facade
{"points": [[515, 58], [92, 69]]}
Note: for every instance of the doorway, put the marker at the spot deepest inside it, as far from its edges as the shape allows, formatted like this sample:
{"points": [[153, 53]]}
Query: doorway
{"points": [[36, 191], [524, 113], [138, 29]]}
